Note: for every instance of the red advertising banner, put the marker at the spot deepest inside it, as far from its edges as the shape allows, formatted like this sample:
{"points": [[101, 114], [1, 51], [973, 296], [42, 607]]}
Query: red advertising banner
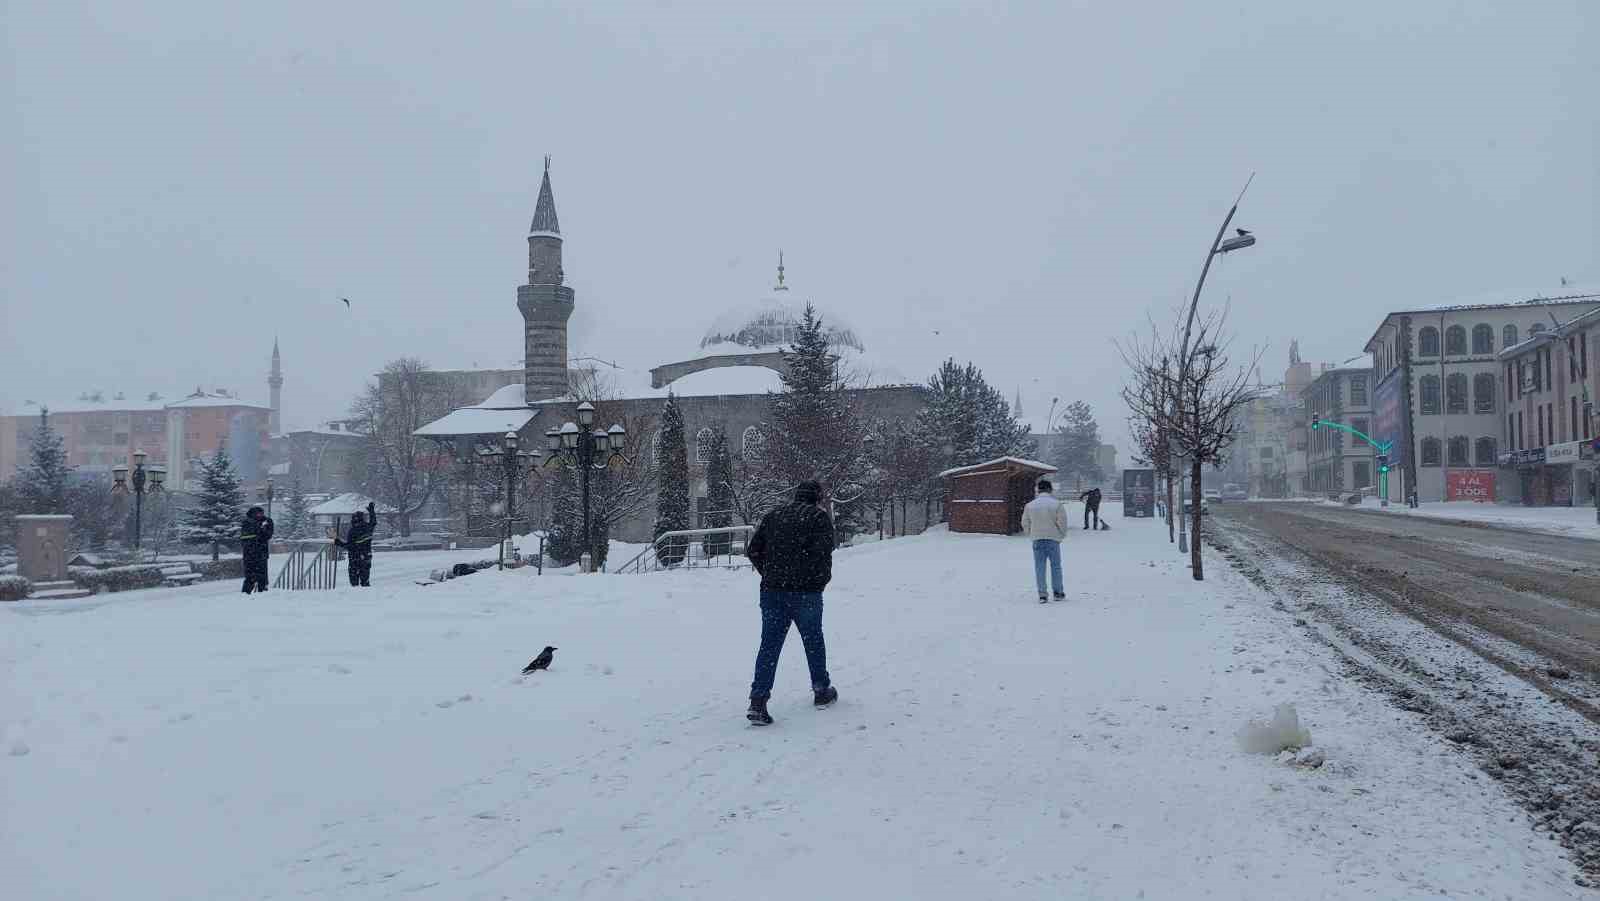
{"points": [[1469, 485]]}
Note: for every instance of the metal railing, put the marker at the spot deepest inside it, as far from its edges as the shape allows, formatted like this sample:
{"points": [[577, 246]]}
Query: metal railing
{"points": [[313, 564], [719, 548]]}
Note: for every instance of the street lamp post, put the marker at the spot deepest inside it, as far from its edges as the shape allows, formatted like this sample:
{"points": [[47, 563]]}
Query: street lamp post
{"points": [[155, 476], [586, 449], [1219, 246], [512, 462], [265, 493]]}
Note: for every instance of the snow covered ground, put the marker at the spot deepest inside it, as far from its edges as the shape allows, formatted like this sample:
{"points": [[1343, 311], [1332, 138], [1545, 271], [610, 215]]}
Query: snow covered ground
{"points": [[1574, 522], [194, 743]]}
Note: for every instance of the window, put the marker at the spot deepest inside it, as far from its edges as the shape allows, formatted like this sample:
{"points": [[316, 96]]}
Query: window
{"points": [[1522, 433], [1428, 342], [1266, 453], [1549, 380], [1583, 356], [1361, 474], [1430, 395], [754, 445], [1430, 452], [1358, 391], [1486, 455], [1535, 329], [1538, 413], [1455, 341], [1482, 339], [1550, 418], [702, 446], [655, 449], [1572, 359], [1510, 336], [1483, 393], [1360, 424], [1572, 424], [1458, 451], [1511, 377], [1456, 393], [1511, 430]]}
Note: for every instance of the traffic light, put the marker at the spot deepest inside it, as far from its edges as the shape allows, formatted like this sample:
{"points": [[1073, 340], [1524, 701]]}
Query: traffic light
{"points": [[1383, 462], [1315, 422]]}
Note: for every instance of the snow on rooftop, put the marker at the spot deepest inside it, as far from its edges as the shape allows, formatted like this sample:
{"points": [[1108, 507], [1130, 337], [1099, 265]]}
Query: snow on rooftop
{"points": [[477, 421], [997, 461], [346, 504], [770, 324], [505, 398]]}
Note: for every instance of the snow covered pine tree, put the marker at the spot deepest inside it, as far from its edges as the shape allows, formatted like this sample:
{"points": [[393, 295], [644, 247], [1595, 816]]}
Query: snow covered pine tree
{"points": [[672, 487], [219, 504]]}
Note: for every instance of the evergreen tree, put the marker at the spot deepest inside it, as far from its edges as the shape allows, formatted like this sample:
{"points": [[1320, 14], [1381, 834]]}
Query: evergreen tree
{"points": [[968, 420], [219, 505], [42, 486], [296, 513], [719, 492], [672, 485], [1078, 451], [564, 543], [814, 431]]}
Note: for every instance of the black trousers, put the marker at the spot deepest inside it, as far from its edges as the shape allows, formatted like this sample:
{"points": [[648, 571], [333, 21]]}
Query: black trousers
{"points": [[361, 570], [1088, 509], [255, 574]]}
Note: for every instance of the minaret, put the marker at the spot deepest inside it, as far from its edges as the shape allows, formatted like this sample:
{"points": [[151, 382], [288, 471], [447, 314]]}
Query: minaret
{"points": [[546, 303], [275, 383], [1016, 407]]}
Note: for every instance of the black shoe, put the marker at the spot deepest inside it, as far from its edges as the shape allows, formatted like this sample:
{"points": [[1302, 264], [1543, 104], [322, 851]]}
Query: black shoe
{"points": [[758, 713], [1044, 598], [1061, 597], [824, 697]]}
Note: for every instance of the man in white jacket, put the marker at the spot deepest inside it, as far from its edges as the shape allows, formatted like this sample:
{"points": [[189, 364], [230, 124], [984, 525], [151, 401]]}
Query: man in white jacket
{"points": [[1045, 521]]}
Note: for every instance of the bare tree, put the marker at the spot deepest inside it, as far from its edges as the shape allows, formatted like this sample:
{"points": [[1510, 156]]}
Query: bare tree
{"points": [[1196, 406], [404, 470]]}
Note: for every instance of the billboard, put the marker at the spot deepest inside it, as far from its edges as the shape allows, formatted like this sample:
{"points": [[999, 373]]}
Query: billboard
{"points": [[1139, 492], [1469, 485], [1389, 418]]}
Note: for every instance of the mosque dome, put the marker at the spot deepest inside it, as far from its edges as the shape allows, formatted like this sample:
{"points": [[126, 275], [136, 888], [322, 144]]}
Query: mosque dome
{"points": [[770, 323]]}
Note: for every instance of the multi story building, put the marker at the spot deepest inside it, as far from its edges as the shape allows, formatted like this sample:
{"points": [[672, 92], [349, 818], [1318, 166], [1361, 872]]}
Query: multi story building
{"points": [[1549, 425], [101, 431], [1437, 393], [1339, 462]]}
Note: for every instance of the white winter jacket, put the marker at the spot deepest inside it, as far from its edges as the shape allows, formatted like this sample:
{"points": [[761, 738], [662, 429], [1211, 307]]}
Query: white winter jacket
{"points": [[1045, 517]]}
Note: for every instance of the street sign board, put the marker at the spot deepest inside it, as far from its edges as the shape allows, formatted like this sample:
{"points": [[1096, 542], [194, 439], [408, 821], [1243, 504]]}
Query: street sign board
{"points": [[1469, 485], [1138, 492]]}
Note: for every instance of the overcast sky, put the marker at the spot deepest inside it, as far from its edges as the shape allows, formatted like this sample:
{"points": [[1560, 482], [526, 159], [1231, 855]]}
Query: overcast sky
{"points": [[1011, 184]]}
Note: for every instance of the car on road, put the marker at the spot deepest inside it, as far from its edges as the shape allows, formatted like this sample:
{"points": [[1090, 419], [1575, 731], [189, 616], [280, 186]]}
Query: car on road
{"points": [[1188, 506], [1211, 496], [1232, 492]]}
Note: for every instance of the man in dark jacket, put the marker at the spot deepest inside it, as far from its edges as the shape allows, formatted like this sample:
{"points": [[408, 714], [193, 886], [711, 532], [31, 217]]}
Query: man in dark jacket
{"points": [[792, 549], [1091, 506], [359, 541], [255, 539]]}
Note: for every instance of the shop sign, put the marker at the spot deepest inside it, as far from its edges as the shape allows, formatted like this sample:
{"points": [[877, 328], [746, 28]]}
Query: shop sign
{"points": [[1563, 453], [1469, 485]]}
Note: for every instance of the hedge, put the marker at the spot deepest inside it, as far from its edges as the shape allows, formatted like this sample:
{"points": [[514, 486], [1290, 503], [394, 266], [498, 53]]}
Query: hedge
{"points": [[221, 569], [117, 578], [14, 588]]}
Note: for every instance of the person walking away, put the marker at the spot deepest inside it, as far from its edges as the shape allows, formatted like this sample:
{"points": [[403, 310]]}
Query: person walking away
{"points": [[1091, 505], [1044, 520], [359, 542], [792, 549], [255, 540]]}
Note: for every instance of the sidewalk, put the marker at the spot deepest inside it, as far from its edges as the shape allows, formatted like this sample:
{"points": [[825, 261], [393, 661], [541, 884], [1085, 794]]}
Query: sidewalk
{"points": [[1570, 522], [365, 745]]}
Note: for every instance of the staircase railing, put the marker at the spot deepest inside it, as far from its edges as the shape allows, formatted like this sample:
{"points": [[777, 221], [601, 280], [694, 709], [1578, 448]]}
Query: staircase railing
{"points": [[719, 548], [313, 564]]}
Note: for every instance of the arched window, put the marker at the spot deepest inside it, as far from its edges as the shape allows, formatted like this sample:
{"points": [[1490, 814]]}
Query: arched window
{"points": [[655, 449], [1430, 452], [702, 446], [1483, 393], [1430, 395], [754, 445], [1455, 393], [1428, 342], [1486, 454], [1509, 338], [1455, 341], [1458, 451], [1483, 339], [1535, 329]]}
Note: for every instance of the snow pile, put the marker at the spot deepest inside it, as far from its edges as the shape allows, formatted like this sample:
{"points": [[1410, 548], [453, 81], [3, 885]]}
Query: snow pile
{"points": [[1282, 732]]}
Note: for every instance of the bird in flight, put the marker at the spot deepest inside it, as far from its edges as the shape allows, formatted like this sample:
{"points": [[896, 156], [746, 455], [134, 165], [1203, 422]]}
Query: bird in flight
{"points": [[1242, 233], [346, 302]]}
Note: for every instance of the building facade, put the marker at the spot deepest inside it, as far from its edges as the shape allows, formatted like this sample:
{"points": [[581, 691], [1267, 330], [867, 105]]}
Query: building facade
{"points": [[1339, 462], [1439, 394], [722, 383], [1549, 426]]}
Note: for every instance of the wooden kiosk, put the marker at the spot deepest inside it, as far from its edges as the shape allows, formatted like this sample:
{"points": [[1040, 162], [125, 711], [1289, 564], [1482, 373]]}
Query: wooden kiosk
{"points": [[989, 497]]}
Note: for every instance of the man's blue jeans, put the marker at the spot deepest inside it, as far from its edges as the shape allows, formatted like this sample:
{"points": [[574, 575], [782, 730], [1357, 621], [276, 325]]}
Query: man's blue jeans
{"points": [[1046, 549], [778, 610]]}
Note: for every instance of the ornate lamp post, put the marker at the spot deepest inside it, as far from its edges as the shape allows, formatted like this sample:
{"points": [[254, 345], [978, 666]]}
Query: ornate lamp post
{"points": [[586, 449], [155, 476], [514, 463]]}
